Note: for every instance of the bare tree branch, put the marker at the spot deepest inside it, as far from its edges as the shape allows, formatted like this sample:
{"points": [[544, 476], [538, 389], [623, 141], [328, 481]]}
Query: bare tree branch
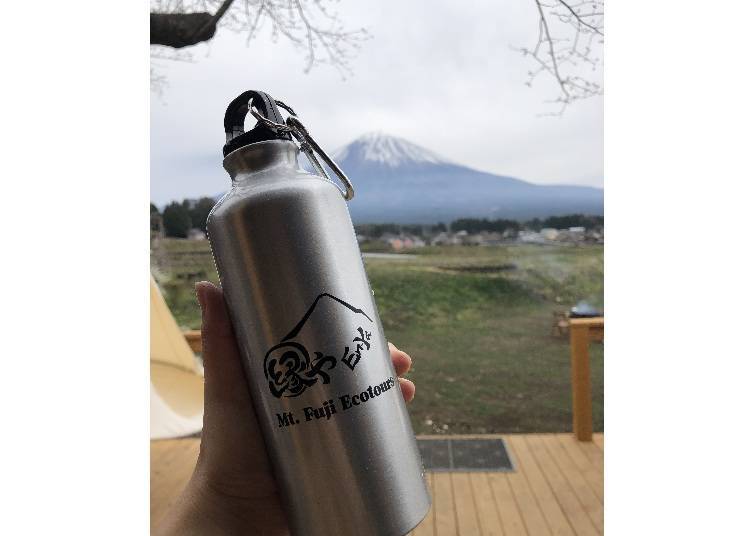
{"points": [[552, 55], [217, 16], [306, 24], [579, 19], [179, 30], [567, 48]]}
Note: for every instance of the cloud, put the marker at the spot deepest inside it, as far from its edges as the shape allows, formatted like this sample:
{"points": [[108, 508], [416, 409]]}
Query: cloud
{"points": [[440, 74]]}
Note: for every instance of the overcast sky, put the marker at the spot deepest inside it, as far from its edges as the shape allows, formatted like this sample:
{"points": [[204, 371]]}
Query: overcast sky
{"points": [[436, 73]]}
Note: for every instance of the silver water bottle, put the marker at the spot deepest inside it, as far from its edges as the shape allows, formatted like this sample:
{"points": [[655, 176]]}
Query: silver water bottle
{"points": [[315, 357]]}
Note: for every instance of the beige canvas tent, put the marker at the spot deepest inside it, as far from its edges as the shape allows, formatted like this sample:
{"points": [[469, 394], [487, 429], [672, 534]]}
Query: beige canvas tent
{"points": [[176, 376]]}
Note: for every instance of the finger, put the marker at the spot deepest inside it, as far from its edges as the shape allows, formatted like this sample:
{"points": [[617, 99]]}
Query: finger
{"points": [[231, 444], [401, 360], [408, 389], [223, 372]]}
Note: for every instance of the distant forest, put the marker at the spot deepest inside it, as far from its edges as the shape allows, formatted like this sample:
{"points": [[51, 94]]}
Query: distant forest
{"points": [[178, 218]]}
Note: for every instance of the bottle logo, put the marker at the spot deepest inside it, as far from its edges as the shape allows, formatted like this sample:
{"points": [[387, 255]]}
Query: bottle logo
{"points": [[288, 366]]}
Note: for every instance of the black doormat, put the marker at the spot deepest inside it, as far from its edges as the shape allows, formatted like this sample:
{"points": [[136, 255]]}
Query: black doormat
{"points": [[488, 455]]}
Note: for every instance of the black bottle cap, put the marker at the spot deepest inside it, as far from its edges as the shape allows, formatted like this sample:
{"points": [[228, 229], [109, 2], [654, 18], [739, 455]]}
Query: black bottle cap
{"points": [[234, 121]]}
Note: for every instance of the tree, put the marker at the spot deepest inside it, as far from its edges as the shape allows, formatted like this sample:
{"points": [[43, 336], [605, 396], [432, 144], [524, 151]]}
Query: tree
{"points": [[534, 225], [308, 25], [176, 220], [574, 220], [570, 36], [415, 230], [475, 225], [376, 230], [199, 212], [156, 222]]}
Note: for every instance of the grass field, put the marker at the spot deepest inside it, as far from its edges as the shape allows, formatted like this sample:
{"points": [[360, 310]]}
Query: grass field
{"points": [[477, 322]]}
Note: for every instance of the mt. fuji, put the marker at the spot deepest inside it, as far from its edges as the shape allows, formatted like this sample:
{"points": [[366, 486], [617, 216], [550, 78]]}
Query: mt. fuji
{"points": [[398, 181], [387, 150]]}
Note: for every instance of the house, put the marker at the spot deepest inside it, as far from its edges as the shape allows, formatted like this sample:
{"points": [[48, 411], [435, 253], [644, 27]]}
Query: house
{"points": [[530, 237], [397, 243], [594, 236], [445, 239], [196, 234], [549, 233], [493, 238], [485, 238]]}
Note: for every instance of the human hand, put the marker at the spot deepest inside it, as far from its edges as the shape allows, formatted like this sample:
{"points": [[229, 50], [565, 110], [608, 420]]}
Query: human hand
{"points": [[233, 490]]}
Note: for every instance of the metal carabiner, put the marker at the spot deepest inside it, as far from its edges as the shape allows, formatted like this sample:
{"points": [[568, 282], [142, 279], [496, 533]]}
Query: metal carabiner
{"points": [[309, 146], [303, 136]]}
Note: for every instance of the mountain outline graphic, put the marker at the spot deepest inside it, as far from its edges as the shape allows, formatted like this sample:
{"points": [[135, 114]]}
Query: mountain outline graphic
{"points": [[288, 366], [295, 331]]}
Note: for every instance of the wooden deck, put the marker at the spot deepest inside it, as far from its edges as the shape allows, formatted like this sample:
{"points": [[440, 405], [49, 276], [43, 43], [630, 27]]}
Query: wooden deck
{"points": [[557, 489]]}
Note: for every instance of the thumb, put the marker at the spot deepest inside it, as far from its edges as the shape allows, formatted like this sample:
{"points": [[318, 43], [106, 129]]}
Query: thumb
{"points": [[224, 377], [231, 443]]}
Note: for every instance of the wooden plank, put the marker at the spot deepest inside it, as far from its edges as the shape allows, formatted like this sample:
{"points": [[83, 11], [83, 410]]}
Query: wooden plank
{"points": [[466, 512], [194, 340], [445, 513], [169, 477], [507, 507], [175, 467], [461, 436], [592, 474], [593, 322], [580, 370], [596, 334], [427, 526], [527, 504], [576, 515], [546, 499], [593, 453], [165, 454], [592, 505], [489, 519], [538, 499], [162, 449]]}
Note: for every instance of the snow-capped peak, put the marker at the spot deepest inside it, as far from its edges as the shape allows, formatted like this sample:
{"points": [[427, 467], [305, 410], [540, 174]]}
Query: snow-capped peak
{"points": [[388, 150]]}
